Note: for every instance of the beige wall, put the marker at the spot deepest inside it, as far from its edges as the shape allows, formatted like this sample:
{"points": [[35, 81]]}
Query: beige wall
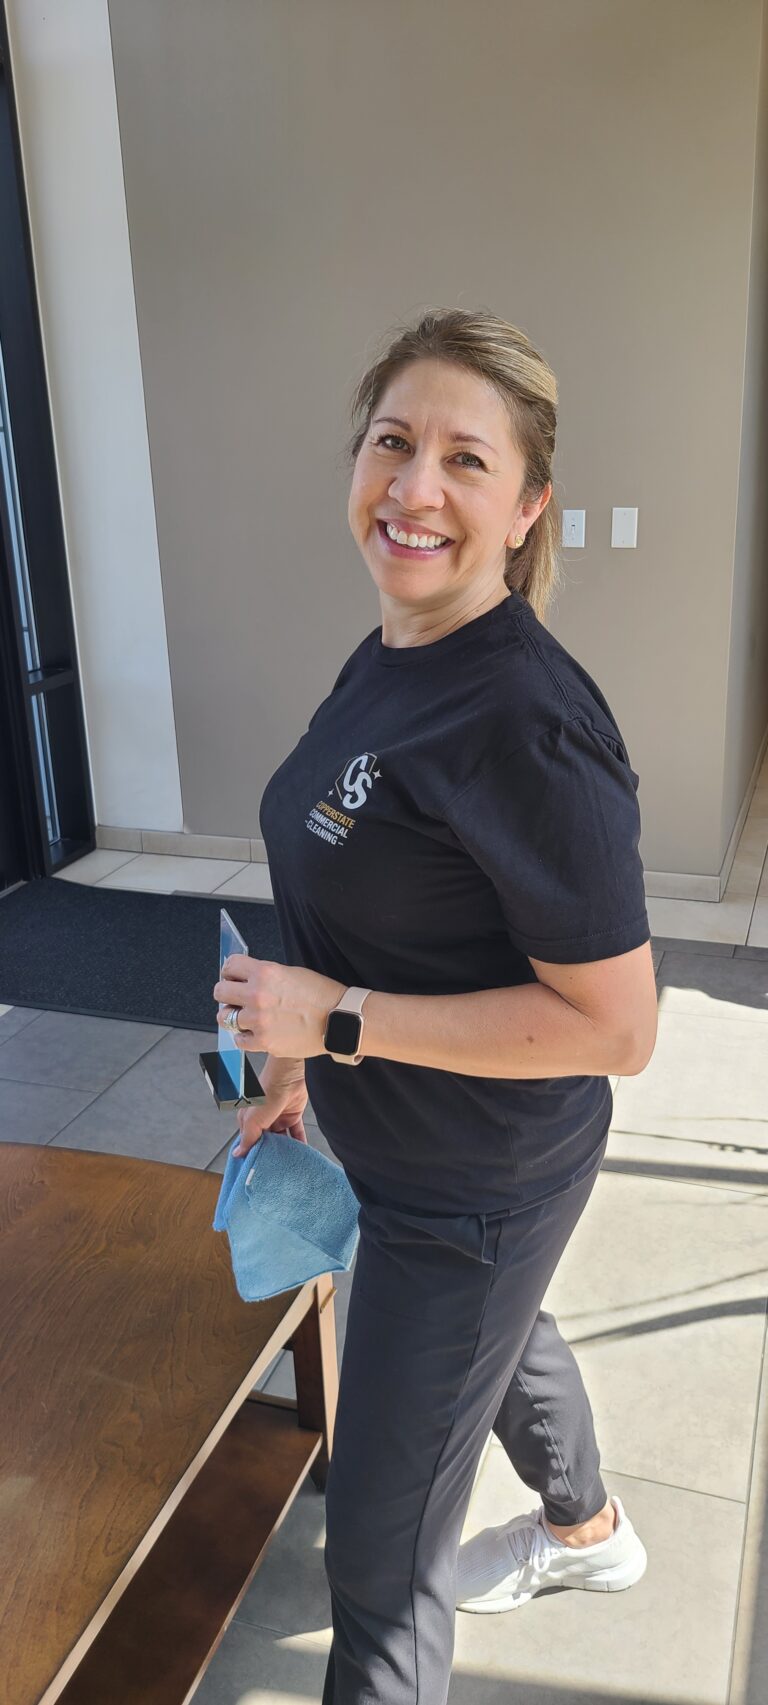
{"points": [[300, 176], [748, 660]]}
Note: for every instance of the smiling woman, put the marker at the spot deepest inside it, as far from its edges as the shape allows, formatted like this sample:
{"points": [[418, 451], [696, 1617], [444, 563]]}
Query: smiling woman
{"points": [[456, 872], [418, 496]]}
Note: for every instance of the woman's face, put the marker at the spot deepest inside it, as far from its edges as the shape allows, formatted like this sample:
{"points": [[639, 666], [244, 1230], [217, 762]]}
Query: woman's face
{"points": [[438, 459]]}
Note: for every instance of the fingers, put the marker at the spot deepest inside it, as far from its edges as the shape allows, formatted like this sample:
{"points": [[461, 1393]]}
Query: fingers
{"points": [[245, 1145], [235, 969], [241, 1037], [229, 990], [295, 1129], [223, 1015]]}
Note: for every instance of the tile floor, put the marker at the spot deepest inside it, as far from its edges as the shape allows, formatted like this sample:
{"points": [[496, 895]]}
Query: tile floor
{"points": [[661, 1292]]}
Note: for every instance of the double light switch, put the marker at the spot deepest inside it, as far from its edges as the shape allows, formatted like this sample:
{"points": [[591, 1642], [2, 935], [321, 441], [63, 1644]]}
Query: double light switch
{"points": [[623, 529]]}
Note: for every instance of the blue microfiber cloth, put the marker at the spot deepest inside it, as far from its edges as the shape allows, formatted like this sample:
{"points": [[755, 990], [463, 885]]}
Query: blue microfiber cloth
{"points": [[290, 1214]]}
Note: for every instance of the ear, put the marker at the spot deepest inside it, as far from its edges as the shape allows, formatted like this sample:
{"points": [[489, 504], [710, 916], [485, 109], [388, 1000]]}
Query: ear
{"points": [[528, 513]]}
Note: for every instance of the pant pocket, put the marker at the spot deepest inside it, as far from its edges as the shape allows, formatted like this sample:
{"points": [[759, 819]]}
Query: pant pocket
{"points": [[410, 1229], [422, 1264], [492, 1224]]}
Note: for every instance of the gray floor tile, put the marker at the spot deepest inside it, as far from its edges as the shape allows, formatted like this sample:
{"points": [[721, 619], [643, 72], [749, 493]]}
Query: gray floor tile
{"points": [[289, 1590], [74, 1052], [713, 987], [257, 1666], [280, 1381], [93, 866], [749, 1680], [219, 1161], [700, 1107], [665, 1640], [263, 1381], [636, 1155], [660, 1293], [164, 873], [705, 1085], [15, 1020], [36, 1112], [160, 1109], [682, 945]]}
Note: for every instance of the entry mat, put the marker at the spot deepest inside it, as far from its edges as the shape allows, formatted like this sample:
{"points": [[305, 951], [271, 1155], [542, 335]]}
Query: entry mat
{"points": [[119, 953]]}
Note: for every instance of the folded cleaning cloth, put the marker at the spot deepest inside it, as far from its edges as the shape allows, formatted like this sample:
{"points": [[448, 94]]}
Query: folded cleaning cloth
{"points": [[290, 1214]]}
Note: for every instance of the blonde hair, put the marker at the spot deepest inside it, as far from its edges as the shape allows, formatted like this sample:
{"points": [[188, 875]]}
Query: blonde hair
{"points": [[502, 355]]}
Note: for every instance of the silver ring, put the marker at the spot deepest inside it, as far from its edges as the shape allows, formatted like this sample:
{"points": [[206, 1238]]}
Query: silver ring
{"points": [[231, 1020]]}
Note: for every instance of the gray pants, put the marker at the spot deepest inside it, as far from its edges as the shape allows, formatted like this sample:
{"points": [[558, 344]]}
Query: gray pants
{"points": [[445, 1339]]}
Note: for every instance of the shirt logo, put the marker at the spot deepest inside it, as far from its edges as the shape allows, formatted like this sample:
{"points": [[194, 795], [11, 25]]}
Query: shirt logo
{"points": [[352, 788], [355, 782]]}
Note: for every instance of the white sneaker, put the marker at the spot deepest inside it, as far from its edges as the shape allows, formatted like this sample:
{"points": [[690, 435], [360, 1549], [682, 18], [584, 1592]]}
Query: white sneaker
{"points": [[503, 1567]]}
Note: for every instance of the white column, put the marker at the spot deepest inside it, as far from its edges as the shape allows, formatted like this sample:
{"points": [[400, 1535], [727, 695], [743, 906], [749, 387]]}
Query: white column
{"points": [[65, 94]]}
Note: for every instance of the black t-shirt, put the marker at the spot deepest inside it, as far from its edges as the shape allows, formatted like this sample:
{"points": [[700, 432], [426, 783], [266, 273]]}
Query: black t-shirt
{"points": [[452, 808]]}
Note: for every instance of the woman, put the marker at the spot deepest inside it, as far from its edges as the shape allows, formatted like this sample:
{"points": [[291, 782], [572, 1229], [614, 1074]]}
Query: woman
{"points": [[455, 841]]}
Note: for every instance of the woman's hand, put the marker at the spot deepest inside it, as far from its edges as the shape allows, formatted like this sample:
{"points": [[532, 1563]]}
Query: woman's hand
{"points": [[283, 1008], [286, 1099]]}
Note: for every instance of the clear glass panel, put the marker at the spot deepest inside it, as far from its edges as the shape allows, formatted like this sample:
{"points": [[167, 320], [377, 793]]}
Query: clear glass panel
{"points": [[230, 941], [13, 511], [20, 569], [45, 767]]}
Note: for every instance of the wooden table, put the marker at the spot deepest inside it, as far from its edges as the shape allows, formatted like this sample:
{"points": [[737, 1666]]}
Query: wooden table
{"points": [[141, 1476]]}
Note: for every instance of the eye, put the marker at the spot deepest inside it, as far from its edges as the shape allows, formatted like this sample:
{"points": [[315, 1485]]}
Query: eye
{"points": [[384, 436]]}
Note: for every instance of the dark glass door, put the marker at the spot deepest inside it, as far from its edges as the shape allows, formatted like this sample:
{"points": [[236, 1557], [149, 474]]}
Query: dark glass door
{"points": [[46, 807]]}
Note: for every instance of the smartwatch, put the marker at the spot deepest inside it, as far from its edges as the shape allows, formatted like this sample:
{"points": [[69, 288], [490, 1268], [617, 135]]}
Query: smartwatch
{"points": [[344, 1028]]}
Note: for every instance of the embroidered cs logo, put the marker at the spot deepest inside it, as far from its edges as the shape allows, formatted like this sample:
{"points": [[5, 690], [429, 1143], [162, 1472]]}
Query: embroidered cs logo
{"points": [[355, 782]]}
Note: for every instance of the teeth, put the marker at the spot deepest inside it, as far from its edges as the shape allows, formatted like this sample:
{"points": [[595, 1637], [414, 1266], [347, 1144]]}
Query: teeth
{"points": [[416, 541]]}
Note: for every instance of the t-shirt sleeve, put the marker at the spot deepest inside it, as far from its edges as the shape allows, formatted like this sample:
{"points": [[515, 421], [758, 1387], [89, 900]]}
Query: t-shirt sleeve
{"points": [[555, 826]]}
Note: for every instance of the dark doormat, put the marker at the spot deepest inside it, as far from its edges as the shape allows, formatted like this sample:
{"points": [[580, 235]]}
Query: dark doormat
{"points": [[118, 953]]}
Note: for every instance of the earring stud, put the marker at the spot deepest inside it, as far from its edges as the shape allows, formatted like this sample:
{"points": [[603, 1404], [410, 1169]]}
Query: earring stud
{"points": [[519, 539]]}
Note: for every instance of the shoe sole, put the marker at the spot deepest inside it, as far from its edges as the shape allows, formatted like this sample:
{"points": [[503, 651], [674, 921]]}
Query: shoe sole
{"points": [[614, 1580]]}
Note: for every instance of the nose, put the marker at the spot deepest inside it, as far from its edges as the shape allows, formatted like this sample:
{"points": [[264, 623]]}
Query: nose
{"points": [[417, 486]]}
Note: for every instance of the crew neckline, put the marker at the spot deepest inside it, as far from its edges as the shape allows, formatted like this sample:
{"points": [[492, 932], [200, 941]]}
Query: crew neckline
{"points": [[398, 656]]}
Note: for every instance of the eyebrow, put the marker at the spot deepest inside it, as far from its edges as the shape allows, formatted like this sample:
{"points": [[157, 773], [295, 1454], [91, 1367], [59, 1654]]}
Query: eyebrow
{"points": [[455, 437]]}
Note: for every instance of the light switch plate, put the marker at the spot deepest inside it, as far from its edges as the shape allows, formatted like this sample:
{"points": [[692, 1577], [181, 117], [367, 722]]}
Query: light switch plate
{"points": [[573, 528], [624, 529]]}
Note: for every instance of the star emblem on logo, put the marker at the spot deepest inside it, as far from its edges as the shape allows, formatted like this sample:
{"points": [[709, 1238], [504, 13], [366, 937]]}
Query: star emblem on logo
{"points": [[348, 785]]}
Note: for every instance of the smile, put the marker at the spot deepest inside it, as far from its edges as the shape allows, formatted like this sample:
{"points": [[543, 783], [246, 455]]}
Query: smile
{"points": [[407, 544]]}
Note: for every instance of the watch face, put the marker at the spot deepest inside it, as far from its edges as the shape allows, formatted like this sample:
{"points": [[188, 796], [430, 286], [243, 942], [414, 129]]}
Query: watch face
{"points": [[342, 1032]]}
